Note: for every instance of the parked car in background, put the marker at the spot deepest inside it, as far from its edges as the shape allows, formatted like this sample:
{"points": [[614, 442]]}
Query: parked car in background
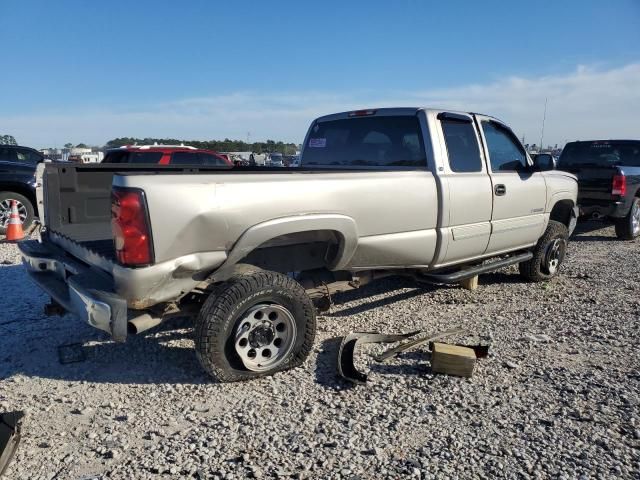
{"points": [[275, 160], [295, 161], [165, 155], [435, 195], [608, 174], [17, 182]]}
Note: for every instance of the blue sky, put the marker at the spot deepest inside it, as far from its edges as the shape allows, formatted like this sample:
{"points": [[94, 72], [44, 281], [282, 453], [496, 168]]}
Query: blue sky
{"points": [[88, 71]]}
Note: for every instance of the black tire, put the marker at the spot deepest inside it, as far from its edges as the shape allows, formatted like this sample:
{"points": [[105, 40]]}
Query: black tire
{"points": [[546, 261], [222, 313], [27, 210], [628, 228]]}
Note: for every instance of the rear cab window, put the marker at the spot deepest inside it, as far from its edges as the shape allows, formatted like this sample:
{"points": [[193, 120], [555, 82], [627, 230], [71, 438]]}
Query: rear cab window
{"points": [[366, 142], [462, 144], [600, 154]]}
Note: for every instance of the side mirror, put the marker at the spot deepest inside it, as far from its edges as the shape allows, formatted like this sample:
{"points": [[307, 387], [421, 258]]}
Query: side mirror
{"points": [[543, 162]]}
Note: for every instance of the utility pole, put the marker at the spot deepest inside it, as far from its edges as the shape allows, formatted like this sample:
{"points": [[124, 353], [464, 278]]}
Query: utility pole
{"points": [[544, 117]]}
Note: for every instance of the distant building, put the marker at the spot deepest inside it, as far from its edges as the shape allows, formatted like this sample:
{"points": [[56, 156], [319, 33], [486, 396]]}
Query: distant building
{"points": [[80, 155]]}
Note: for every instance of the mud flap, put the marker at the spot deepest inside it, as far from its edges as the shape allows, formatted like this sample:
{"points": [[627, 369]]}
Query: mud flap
{"points": [[10, 425], [346, 367]]}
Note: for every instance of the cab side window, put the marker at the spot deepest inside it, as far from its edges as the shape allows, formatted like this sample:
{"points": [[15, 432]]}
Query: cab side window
{"points": [[462, 146], [505, 153]]}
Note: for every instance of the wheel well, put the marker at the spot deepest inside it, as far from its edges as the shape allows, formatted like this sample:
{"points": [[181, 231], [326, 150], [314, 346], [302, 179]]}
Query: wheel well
{"points": [[297, 252], [27, 192], [561, 212]]}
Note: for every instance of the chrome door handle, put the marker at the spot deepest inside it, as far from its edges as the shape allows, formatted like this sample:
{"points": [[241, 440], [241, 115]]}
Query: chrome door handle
{"points": [[500, 190]]}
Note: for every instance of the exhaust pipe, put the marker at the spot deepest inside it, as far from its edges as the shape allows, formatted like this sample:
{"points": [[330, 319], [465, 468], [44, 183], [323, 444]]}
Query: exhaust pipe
{"points": [[596, 215], [142, 323]]}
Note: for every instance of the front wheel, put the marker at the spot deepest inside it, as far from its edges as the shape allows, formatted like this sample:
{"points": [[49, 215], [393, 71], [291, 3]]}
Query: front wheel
{"points": [[628, 228], [254, 325], [548, 254]]}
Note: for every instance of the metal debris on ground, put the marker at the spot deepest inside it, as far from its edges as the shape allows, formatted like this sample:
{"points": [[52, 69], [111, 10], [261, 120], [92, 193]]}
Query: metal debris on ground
{"points": [[346, 352], [346, 366], [10, 426], [453, 358], [417, 343], [71, 353]]}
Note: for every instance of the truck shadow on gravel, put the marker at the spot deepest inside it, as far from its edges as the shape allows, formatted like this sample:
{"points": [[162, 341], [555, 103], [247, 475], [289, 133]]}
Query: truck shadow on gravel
{"points": [[163, 355], [586, 232]]}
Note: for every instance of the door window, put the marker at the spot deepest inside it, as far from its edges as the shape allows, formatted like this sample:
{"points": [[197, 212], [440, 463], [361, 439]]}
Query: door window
{"points": [[462, 146], [505, 152]]}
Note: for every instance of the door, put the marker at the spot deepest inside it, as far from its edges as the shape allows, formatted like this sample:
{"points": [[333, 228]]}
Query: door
{"points": [[467, 190], [519, 194]]}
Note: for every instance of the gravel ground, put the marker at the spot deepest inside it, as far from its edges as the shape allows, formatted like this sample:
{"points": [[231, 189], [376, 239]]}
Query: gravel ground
{"points": [[557, 398]]}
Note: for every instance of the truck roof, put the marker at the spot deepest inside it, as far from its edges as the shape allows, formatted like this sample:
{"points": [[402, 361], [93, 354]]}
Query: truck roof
{"points": [[393, 111]]}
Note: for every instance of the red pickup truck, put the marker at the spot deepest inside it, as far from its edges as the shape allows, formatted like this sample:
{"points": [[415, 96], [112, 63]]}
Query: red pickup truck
{"points": [[165, 155]]}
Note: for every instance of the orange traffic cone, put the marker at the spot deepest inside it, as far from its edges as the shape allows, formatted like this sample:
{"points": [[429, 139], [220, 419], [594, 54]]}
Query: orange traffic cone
{"points": [[14, 229]]}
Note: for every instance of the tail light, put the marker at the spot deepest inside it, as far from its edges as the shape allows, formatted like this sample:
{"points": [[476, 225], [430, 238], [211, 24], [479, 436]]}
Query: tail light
{"points": [[619, 185], [130, 227]]}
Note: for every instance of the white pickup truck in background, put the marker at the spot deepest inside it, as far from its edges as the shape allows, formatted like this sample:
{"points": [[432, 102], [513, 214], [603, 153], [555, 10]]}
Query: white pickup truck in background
{"points": [[436, 195]]}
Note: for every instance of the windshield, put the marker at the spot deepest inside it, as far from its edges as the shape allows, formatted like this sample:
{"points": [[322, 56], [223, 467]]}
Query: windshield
{"points": [[599, 154], [386, 141]]}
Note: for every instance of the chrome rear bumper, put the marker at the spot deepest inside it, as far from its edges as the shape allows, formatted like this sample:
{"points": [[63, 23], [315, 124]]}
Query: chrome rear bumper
{"points": [[79, 289]]}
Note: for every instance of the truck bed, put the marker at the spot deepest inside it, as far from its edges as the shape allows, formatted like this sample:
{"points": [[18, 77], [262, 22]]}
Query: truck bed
{"points": [[77, 205], [77, 201]]}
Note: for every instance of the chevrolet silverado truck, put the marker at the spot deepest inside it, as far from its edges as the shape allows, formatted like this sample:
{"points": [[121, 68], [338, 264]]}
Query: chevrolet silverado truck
{"points": [[251, 253], [608, 174]]}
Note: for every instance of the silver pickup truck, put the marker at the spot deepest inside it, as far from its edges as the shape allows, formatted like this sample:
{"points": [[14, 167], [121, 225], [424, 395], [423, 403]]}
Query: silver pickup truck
{"points": [[251, 253]]}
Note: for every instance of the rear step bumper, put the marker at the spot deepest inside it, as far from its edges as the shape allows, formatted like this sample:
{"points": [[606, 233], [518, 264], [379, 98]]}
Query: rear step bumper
{"points": [[613, 209], [83, 291], [457, 276]]}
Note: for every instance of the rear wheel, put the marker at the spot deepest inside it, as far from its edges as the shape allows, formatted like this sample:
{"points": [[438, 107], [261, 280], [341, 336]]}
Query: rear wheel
{"points": [[628, 228], [25, 210], [548, 254], [254, 325]]}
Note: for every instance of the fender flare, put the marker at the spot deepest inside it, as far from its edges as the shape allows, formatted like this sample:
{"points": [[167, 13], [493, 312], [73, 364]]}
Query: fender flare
{"points": [[255, 236], [561, 196]]}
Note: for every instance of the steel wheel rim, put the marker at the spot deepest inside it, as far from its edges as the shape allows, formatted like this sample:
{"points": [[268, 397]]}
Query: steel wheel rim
{"points": [[265, 336], [635, 218], [555, 251], [5, 211]]}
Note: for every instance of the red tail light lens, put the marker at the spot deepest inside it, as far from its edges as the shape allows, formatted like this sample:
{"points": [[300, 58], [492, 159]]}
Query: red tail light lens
{"points": [[130, 227], [619, 186]]}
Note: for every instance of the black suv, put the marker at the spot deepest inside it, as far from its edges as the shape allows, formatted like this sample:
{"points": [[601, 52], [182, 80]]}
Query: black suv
{"points": [[17, 182], [608, 174]]}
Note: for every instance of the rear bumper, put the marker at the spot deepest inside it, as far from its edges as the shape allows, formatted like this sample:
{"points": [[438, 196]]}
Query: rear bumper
{"points": [[81, 290], [614, 209]]}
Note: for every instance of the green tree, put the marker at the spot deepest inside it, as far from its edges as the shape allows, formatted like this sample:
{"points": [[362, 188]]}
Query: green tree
{"points": [[68, 145], [7, 140], [81, 145]]}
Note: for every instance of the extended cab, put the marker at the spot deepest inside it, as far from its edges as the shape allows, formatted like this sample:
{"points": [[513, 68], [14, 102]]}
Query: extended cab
{"points": [[608, 174], [435, 195]]}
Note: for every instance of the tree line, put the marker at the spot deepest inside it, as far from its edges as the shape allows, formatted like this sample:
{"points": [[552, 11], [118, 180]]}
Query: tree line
{"points": [[226, 145]]}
